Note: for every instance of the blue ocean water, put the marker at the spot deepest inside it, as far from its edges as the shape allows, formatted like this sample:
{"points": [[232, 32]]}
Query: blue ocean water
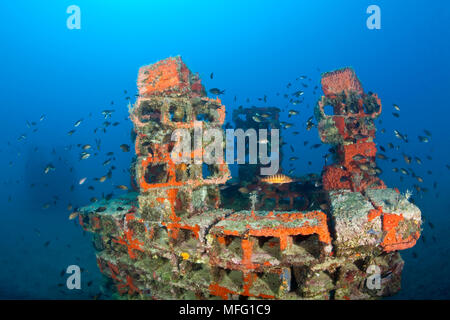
{"points": [[254, 48]]}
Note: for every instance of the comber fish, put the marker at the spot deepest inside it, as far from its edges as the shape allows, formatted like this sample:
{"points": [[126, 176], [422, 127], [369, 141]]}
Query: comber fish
{"points": [[277, 179]]}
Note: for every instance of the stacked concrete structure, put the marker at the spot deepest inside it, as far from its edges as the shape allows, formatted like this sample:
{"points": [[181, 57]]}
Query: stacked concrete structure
{"points": [[174, 240]]}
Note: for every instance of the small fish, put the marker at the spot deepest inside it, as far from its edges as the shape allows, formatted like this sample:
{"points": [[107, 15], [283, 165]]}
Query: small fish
{"points": [[102, 179], [395, 114], [396, 107], [363, 167], [82, 180], [298, 93], [78, 123], [42, 117], [71, 132], [86, 147], [49, 168], [256, 119], [428, 133], [73, 215], [361, 136], [400, 136], [309, 125], [293, 158], [358, 157], [407, 158], [292, 113], [423, 139], [98, 143], [122, 187], [84, 156], [22, 137], [243, 190], [211, 75], [107, 113], [109, 196], [216, 91], [125, 147]]}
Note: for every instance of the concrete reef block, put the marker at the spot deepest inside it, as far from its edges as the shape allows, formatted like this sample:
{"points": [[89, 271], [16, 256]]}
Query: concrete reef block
{"points": [[269, 240], [355, 225], [168, 77], [401, 218]]}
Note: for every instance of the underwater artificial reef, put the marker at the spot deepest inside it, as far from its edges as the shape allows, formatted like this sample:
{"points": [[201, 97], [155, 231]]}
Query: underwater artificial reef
{"points": [[188, 234]]}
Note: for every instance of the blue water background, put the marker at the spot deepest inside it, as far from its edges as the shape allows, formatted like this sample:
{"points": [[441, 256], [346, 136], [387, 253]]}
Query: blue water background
{"points": [[254, 48]]}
